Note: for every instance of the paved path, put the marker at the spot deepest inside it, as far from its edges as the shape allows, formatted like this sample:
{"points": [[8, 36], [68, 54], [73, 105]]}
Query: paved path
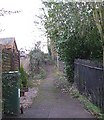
{"points": [[51, 103]]}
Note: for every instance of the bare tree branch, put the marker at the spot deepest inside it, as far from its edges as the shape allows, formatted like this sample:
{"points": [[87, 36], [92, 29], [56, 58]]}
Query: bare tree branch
{"points": [[6, 12]]}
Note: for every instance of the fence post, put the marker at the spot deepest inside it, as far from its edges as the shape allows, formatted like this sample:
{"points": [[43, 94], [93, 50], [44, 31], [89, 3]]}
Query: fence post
{"points": [[103, 93], [19, 60], [12, 61], [0, 81]]}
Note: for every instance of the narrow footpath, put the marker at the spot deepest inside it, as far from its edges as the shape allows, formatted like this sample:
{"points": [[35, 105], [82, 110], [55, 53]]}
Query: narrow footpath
{"points": [[52, 103]]}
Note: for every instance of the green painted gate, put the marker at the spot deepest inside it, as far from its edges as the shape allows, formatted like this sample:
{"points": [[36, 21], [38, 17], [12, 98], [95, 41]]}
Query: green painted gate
{"points": [[10, 93]]}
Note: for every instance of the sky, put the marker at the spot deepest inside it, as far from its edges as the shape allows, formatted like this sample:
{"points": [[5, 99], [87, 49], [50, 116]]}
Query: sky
{"points": [[21, 25]]}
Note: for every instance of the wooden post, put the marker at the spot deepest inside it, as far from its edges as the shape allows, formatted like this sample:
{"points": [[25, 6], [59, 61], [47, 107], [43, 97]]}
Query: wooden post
{"points": [[11, 61], [57, 61], [0, 81], [19, 60]]}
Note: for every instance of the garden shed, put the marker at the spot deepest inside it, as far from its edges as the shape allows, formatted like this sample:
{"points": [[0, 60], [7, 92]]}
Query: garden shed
{"points": [[10, 76], [10, 55]]}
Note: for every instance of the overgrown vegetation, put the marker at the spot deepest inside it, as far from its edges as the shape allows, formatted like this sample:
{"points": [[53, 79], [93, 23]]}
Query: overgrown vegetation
{"points": [[41, 75], [62, 84], [93, 109], [72, 28], [23, 77], [37, 61]]}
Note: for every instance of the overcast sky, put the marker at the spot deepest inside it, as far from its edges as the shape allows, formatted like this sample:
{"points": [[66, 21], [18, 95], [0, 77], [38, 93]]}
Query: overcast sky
{"points": [[21, 26]]}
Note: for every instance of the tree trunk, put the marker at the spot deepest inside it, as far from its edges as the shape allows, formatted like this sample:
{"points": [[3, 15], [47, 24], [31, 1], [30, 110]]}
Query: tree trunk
{"points": [[103, 57]]}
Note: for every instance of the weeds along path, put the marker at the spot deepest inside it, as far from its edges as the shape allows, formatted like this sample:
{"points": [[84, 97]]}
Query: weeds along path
{"points": [[52, 103]]}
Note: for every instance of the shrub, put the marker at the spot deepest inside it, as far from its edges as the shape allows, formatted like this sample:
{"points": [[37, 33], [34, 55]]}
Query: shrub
{"points": [[23, 77]]}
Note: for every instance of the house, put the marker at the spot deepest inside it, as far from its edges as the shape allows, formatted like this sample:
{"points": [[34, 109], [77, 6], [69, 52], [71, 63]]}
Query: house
{"points": [[10, 55]]}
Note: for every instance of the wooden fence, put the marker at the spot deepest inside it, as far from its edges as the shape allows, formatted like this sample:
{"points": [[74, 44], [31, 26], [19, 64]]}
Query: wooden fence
{"points": [[89, 79], [0, 81], [0, 58], [10, 60]]}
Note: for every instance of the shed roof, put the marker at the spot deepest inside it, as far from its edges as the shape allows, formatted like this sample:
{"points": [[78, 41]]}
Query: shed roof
{"points": [[8, 42]]}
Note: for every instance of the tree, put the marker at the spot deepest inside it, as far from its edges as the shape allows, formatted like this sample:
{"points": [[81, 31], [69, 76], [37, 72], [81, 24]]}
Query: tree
{"points": [[36, 58], [4, 12], [98, 14], [23, 77], [72, 28]]}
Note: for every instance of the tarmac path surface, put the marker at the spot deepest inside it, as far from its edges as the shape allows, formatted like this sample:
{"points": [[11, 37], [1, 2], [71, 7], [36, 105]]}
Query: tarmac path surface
{"points": [[52, 103]]}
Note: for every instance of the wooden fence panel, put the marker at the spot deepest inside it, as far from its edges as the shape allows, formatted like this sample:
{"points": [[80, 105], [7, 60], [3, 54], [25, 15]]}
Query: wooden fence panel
{"points": [[89, 78], [10, 60]]}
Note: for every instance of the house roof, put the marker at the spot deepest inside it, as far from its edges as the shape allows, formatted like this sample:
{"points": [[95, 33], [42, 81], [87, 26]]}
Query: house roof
{"points": [[8, 42]]}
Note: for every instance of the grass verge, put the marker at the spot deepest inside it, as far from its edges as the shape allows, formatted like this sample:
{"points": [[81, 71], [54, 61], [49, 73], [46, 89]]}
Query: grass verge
{"points": [[62, 83], [93, 109]]}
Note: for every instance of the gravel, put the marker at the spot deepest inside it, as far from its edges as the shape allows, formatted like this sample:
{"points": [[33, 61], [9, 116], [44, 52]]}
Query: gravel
{"points": [[27, 100]]}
